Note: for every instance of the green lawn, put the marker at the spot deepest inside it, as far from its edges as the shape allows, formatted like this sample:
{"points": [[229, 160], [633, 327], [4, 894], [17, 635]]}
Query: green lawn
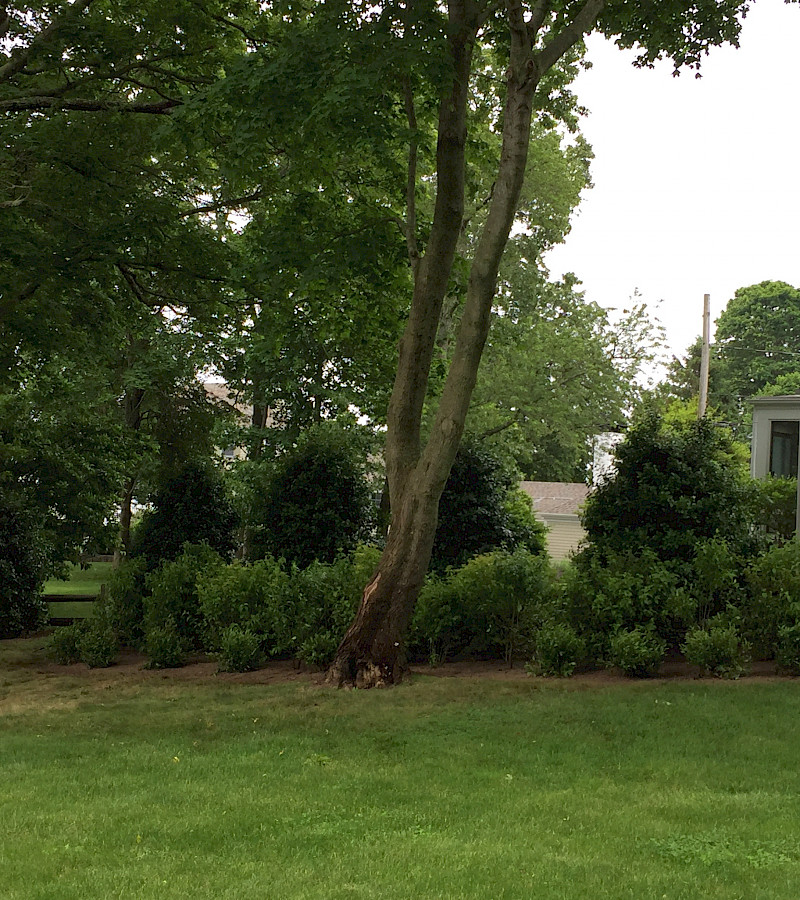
{"points": [[442, 788], [81, 581]]}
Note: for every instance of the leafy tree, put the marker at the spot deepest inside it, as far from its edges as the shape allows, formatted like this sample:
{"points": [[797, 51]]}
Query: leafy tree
{"points": [[191, 507], [476, 512], [317, 505], [531, 40]]}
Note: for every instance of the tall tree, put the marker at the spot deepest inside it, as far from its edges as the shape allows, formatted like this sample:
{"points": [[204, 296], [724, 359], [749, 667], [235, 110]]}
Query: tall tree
{"points": [[533, 38]]}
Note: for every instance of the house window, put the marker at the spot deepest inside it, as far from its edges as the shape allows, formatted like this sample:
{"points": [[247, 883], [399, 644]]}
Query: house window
{"points": [[783, 449]]}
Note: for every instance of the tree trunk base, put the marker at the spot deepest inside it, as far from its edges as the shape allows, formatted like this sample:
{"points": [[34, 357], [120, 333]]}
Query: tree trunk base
{"points": [[350, 672]]}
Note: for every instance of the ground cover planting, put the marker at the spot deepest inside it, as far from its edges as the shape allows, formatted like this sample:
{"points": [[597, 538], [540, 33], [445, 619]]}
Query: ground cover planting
{"points": [[158, 784]]}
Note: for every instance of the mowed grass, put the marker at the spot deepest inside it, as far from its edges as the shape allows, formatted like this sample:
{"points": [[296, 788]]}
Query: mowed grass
{"points": [[441, 788], [81, 581]]}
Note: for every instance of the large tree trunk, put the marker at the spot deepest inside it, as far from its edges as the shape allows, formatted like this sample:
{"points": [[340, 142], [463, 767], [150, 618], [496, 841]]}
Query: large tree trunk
{"points": [[372, 653]]}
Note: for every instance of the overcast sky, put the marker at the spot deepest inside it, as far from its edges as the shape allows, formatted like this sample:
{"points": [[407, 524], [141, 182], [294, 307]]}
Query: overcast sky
{"points": [[697, 181]]}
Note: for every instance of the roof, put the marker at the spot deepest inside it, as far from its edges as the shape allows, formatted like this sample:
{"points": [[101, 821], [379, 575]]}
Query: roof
{"points": [[556, 497]]}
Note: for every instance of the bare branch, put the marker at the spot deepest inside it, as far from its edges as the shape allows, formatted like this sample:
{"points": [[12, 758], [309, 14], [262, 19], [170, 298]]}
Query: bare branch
{"points": [[20, 56]]}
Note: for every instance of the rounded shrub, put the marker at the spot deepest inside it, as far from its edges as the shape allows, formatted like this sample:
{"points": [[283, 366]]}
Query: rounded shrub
{"points": [[63, 645], [239, 650], [716, 647], [317, 505], [191, 507], [559, 650], [638, 652], [165, 647], [787, 653]]}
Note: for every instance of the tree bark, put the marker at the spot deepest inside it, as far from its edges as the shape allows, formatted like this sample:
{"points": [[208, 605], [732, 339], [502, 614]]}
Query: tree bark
{"points": [[372, 652]]}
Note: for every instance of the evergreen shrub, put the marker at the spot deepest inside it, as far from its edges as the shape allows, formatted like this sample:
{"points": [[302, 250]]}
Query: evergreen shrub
{"points": [[639, 652], [717, 648], [23, 560]]}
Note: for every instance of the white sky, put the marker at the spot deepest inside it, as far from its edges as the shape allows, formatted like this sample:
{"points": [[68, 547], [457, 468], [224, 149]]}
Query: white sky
{"points": [[697, 181]]}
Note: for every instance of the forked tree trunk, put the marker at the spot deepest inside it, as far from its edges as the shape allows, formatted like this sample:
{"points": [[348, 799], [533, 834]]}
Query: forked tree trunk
{"points": [[372, 652]]}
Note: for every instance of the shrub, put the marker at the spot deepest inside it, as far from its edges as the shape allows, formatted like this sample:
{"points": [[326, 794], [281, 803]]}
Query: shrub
{"points": [[559, 650], [774, 594], [173, 596], [124, 601], [192, 507], [63, 645], [775, 504], [638, 652], [317, 505], [251, 596], [481, 510], [239, 650], [490, 606], [716, 648], [674, 487], [164, 646], [788, 649], [98, 643], [23, 558]]}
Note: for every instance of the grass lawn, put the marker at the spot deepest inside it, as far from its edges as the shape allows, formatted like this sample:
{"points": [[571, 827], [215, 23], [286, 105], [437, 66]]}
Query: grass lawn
{"points": [[81, 581], [154, 787]]}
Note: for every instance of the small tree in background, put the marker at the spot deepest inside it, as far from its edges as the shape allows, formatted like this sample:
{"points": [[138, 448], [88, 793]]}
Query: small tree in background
{"points": [[481, 510], [23, 561], [193, 507], [317, 504]]}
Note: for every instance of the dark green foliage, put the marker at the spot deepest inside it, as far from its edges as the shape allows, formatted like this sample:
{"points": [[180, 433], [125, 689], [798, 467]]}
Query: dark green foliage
{"points": [[253, 596], [63, 646], [559, 650], [787, 654], [165, 647], [638, 652], [317, 505], [773, 599], [98, 644], [716, 648], [775, 503], [192, 507], [239, 650], [674, 487], [23, 559], [480, 511], [171, 603], [124, 601], [489, 607]]}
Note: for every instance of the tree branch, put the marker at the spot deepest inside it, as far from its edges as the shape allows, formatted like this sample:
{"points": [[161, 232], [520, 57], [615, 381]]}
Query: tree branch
{"points": [[233, 203], [573, 32], [20, 56], [33, 104], [411, 183]]}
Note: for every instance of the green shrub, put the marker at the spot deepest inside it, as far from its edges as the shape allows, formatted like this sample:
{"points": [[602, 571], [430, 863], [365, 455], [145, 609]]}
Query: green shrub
{"points": [[252, 596], [787, 653], [559, 650], [775, 504], [63, 645], [192, 507], [239, 650], [773, 581], [98, 643], [317, 505], [23, 558], [491, 606], [165, 647], [173, 595], [716, 648], [481, 509], [638, 652], [124, 601]]}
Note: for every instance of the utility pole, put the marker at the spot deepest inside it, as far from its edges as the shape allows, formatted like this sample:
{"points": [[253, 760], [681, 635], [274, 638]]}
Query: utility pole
{"points": [[703, 399]]}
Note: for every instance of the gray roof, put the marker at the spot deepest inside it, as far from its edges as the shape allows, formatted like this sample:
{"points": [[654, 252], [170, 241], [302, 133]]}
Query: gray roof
{"points": [[556, 497]]}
